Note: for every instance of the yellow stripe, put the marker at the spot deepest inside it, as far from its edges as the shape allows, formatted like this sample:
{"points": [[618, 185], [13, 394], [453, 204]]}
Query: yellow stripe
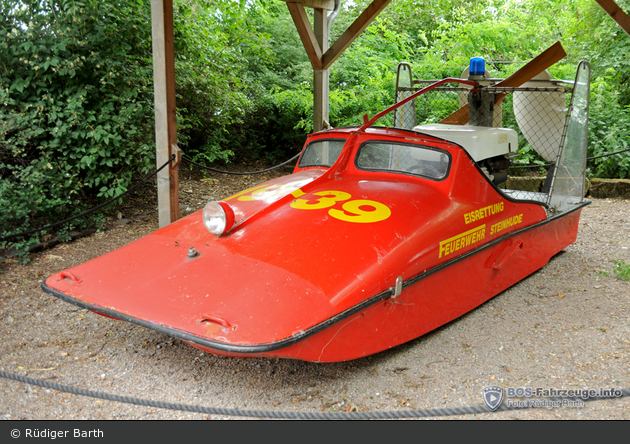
{"points": [[459, 236], [463, 234]]}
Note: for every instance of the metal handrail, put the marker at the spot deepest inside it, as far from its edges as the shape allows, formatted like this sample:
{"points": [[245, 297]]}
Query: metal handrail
{"points": [[367, 123], [497, 80]]}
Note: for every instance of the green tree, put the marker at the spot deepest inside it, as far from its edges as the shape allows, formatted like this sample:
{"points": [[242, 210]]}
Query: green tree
{"points": [[213, 40]]}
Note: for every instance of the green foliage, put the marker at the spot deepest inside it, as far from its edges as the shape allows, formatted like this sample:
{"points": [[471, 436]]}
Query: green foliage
{"points": [[621, 270], [236, 83], [280, 86], [363, 79], [77, 106], [510, 30], [591, 34], [499, 31], [212, 41]]}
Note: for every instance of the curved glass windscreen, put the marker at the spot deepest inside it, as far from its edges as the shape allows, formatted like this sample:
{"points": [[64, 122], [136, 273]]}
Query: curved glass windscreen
{"points": [[406, 159], [568, 183], [322, 153]]}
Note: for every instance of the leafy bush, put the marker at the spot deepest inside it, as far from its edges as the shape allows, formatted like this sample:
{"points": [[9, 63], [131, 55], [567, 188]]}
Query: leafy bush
{"points": [[77, 106], [609, 122], [280, 85]]}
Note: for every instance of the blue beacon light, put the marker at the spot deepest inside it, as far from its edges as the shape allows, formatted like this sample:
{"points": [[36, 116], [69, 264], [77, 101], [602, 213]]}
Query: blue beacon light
{"points": [[477, 69]]}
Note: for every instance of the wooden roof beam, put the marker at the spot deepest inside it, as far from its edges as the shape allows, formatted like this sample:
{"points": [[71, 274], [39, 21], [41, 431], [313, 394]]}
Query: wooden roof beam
{"points": [[316, 4], [616, 13], [313, 50]]}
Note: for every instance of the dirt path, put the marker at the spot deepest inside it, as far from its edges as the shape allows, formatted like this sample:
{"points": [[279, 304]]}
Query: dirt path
{"points": [[565, 326]]}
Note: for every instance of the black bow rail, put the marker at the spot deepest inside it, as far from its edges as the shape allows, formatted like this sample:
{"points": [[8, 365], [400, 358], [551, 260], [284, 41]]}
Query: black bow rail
{"points": [[388, 414]]}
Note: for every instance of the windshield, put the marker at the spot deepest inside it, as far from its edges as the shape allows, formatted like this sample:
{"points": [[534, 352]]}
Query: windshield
{"points": [[402, 158], [322, 153]]}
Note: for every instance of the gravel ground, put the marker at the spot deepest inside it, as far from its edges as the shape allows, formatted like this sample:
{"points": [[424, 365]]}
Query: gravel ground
{"points": [[566, 326]]}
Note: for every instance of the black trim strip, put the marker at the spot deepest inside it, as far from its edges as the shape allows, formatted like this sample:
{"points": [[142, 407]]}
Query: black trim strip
{"points": [[183, 335], [272, 346]]}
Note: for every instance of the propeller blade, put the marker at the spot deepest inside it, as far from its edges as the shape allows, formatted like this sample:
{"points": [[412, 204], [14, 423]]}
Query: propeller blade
{"points": [[544, 60]]}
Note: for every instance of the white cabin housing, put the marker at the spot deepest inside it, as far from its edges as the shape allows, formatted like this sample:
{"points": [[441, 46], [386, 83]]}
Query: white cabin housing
{"points": [[480, 142]]}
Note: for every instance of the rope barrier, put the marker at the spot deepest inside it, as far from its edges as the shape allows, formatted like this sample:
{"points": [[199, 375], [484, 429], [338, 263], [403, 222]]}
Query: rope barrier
{"points": [[397, 414], [239, 173], [389, 414], [608, 154], [91, 210], [530, 166]]}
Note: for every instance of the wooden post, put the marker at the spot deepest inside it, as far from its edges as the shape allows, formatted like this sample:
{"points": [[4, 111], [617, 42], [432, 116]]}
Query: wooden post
{"points": [[165, 111], [320, 76]]}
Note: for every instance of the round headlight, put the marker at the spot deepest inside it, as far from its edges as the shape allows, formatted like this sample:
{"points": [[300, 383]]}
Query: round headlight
{"points": [[218, 218]]}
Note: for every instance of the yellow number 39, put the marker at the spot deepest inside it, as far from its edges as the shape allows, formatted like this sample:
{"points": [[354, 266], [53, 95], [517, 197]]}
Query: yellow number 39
{"points": [[376, 213], [357, 211]]}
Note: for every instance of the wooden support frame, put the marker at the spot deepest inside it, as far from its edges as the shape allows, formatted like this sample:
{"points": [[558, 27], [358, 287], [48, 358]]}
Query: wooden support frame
{"points": [[316, 45], [307, 35], [165, 110], [304, 29], [616, 13]]}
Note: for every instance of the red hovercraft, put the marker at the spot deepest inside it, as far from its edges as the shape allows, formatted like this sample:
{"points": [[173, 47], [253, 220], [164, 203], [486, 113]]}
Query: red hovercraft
{"points": [[379, 236]]}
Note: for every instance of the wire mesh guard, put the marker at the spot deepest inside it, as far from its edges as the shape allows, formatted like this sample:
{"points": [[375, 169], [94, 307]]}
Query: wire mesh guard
{"points": [[539, 112]]}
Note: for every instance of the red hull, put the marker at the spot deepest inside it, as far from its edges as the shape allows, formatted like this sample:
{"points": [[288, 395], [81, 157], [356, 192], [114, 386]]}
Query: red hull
{"points": [[309, 268]]}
